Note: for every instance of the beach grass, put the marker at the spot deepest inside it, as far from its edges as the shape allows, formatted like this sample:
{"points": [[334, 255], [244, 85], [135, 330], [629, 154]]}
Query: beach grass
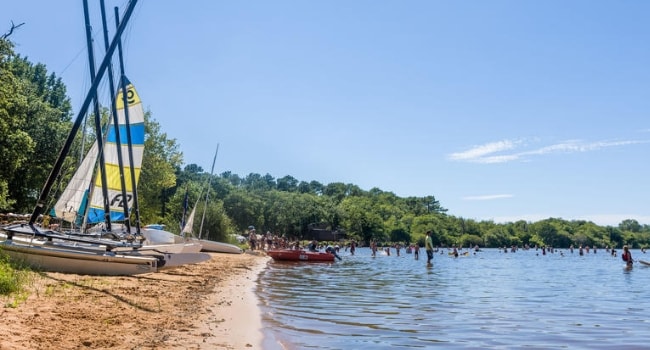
{"points": [[15, 277]]}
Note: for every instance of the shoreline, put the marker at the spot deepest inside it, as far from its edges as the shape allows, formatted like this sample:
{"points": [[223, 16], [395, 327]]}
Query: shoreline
{"points": [[236, 320], [208, 305]]}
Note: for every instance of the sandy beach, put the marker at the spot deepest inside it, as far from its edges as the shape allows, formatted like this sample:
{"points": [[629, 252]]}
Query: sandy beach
{"points": [[211, 305]]}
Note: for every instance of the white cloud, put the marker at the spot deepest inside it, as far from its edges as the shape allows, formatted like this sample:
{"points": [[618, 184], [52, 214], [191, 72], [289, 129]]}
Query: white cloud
{"points": [[481, 151], [574, 146], [497, 159], [486, 154], [487, 197]]}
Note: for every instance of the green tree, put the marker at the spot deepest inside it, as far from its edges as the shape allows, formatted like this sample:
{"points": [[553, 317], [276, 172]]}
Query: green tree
{"points": [[160, 162], [428, 222], [34, 118], [217, 226], [316, 187], [468, 240], [400, 235], [497, 237], [615, 236], [15, 142], [359, 218], [287, 183], [244, 209], [336, 190], [630, 225], [234, 179], [548, 232], [257, 182], [48, 123]]}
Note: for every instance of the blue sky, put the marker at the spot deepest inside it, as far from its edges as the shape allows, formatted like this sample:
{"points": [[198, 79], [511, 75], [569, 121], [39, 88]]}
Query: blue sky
{"points": [[503, 110]]}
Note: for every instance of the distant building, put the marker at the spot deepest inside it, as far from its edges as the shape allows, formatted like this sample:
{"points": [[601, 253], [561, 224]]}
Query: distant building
{"points": [[322, 232]]}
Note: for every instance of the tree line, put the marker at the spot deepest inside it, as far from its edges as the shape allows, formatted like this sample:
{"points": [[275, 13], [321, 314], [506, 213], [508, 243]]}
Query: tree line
{"points": [[35, 118]]}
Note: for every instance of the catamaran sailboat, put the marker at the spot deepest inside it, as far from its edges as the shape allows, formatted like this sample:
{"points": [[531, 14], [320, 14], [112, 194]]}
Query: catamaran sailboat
{"points": [[188, 225], [73, 252]]}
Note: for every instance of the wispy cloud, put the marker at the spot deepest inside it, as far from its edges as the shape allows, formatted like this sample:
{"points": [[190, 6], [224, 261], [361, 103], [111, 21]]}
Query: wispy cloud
{"points": [[482, 151], [504, 151], [487, 197]]}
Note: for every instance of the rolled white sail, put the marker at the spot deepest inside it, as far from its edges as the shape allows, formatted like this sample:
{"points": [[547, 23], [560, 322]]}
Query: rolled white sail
{"points": [[70, 203], [187, 229]]}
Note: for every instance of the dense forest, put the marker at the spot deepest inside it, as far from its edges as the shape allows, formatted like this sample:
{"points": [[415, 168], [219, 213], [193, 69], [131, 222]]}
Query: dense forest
{"points": [[36, 116]]}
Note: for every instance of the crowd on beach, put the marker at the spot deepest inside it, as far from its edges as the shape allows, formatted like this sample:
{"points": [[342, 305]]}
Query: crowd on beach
{"points": [[271, 241]]}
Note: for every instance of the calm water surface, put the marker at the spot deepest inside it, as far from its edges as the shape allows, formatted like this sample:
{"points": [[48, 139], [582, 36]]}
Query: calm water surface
{"points": [[487, 300]]}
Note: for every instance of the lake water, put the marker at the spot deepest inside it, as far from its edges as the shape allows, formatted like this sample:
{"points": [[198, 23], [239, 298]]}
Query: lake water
{"points": [[487, 300]]}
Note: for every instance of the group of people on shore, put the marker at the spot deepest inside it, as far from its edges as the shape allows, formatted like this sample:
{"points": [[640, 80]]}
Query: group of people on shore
{"points": [[269, 241]]}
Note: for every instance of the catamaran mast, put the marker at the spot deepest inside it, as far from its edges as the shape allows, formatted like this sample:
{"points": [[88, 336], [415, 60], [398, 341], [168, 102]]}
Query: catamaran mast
{"points": [[58, 164], [116, 122], [207, 191], [125, 99], [98, 126]]}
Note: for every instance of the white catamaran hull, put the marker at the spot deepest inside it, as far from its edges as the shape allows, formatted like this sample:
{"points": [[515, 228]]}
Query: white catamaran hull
{"points": [[33, 250], [166, 246], [216, 247], [83, 262], [160, 238], [179, 259], [174, 247]]}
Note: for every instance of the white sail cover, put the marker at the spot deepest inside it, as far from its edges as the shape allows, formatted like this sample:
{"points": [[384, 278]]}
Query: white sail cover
{"points": [[187, 229]]}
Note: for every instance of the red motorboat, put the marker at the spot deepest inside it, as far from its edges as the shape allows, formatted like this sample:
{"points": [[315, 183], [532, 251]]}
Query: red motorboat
{"points": [[299, 255]]}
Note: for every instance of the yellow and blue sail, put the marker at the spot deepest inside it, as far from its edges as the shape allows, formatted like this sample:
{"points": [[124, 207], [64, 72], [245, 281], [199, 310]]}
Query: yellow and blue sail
{"points": [[71, 205], [136, 127]]}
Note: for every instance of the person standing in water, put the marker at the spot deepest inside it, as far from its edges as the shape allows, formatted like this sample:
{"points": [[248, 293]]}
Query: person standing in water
{"points": [[428, 246], [373, 247], [627, 256]]}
